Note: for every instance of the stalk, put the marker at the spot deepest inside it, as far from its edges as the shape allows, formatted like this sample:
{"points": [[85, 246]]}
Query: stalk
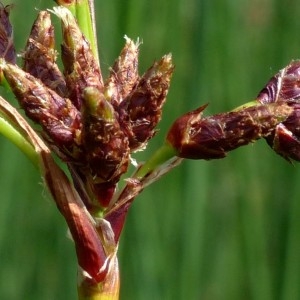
{"points": [[85, 16], [12, 134], [164, 154], [12, 127]]}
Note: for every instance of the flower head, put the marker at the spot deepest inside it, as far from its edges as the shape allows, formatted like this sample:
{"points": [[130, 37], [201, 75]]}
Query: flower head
{"points": [[212, 137], [285, 87]]}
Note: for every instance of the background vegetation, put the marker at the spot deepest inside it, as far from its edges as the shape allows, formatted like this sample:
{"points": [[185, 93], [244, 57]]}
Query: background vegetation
{"points": [[227, 229]]}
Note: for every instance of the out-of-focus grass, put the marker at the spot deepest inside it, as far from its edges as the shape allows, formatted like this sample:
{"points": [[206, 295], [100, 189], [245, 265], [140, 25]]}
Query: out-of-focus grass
{"points": [[227, 229]]}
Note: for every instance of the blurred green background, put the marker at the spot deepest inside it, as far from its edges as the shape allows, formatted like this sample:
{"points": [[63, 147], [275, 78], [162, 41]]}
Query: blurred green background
{"points": [[227, 229]]}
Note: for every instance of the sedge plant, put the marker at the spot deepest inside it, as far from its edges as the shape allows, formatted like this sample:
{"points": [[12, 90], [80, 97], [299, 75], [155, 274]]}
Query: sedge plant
{"points": [[93, 125]]}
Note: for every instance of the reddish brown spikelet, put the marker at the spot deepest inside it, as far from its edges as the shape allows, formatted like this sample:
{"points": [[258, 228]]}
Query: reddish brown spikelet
{"points": [[124, 73], [81, 69], [142, 109], [284, 143], [285, 85], [40, 56], [7, 49], [285, 138], [106, 145], [58, 116], [212, 137]]}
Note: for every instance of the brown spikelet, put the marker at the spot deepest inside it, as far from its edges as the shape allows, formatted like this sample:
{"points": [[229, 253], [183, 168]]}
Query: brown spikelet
{"points": [[105, 144], [124, 73], [59, 118], [40, 56], [142, 109], [81, 69], [212, 137], [7, 49], [285, 85]]}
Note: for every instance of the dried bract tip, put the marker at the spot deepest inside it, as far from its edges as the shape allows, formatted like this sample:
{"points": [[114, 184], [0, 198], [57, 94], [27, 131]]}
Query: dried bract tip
{"points": [[124, 73], [7, 49], [141, 111], [212, 137]]}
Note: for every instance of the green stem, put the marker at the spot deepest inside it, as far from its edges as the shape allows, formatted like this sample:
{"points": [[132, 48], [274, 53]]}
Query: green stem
{"points": [[11, 133], [84, 13], [246, 105], [161, 156]]}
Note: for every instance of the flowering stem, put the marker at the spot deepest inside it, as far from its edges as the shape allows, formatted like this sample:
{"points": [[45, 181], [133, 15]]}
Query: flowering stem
{"points": [[159, 158], [84, 16], [246, 105], [7, 130], [84, 13], [11, 130]]}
